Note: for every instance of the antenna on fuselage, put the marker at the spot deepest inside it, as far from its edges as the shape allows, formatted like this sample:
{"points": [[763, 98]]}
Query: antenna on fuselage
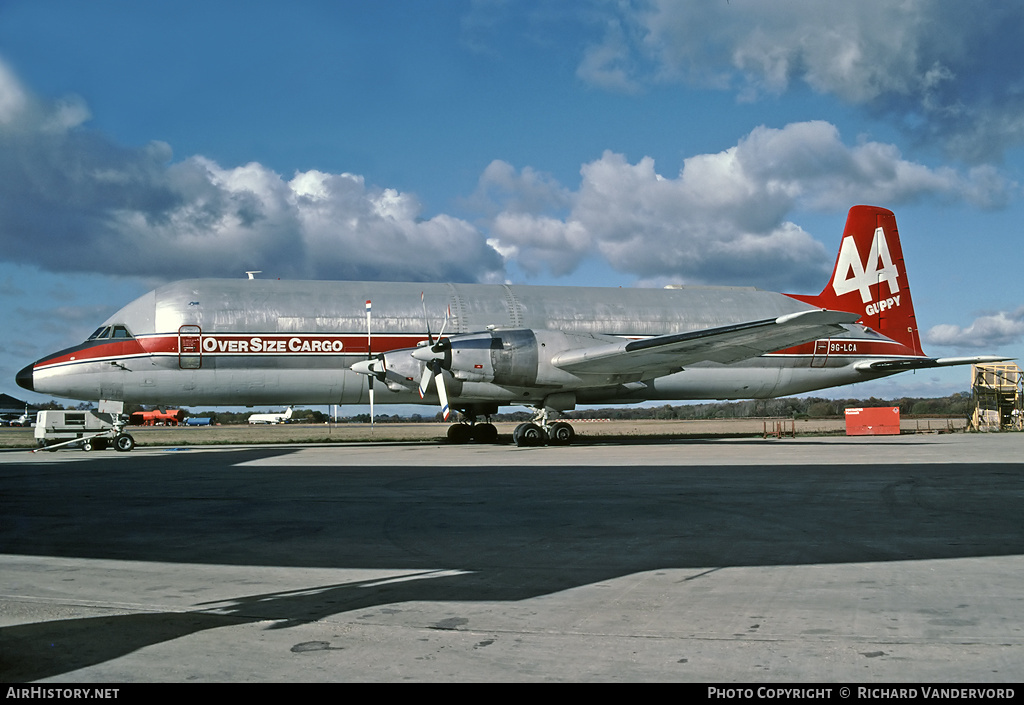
{"points": [[252, 273], [369, 354]]}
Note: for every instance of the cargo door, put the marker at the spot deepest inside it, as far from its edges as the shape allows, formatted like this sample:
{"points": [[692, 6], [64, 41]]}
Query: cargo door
{"points": [[190, 347], [820, 356]]}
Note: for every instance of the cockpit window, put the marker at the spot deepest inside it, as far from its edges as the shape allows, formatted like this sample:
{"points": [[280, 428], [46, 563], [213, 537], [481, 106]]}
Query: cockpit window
{"points": [[107, 332]]}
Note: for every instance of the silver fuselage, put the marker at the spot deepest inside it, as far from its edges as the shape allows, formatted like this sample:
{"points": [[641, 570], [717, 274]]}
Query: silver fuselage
{"points": [[259, 342]]}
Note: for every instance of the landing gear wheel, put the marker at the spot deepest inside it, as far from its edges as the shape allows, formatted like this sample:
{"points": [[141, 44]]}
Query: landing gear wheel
{"points": [[485, 433], [561, 434], [459, 433], [528, 435], [87, 446], [124, 442]]}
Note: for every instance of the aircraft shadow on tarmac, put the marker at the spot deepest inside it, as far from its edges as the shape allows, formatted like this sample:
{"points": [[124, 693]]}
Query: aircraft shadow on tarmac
{"points": [[516, 532]]}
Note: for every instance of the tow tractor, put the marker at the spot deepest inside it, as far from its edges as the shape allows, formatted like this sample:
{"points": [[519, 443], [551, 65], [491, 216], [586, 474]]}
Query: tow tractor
{"points": [[89, 430]]}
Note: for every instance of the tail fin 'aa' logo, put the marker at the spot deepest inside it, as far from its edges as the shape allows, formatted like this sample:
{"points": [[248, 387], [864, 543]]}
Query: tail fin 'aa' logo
{"points": [[852, 275]]}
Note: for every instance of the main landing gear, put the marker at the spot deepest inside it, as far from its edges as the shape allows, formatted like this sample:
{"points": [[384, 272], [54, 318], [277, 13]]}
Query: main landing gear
{"points": [[532, 434], [537, 432], [472, 432], [469, 431], [541, 430]]}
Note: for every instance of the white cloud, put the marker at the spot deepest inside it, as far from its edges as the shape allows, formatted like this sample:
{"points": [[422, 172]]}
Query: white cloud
{"points": [[502, 188], [723, 218], [946, 71], [858, 51], [989, 331], [13, 100], [538, 242], [607, 64], [76, 201]]}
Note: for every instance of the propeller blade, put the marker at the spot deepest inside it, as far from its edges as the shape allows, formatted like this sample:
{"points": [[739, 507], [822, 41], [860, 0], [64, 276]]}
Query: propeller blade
{"points": [[425, 380], [371, 402], [447, 316], [426, 320], [442, 393]]}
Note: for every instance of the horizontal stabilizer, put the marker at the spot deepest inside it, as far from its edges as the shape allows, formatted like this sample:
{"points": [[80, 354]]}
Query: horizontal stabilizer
{"points": [[724, 344], [918, 363]]}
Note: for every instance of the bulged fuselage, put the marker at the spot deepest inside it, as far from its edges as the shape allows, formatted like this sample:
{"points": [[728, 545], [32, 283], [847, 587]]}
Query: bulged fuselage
{"points": [[257, 342]]}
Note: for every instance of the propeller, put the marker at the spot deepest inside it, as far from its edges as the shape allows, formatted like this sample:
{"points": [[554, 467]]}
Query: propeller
{"points": [[426, 320], [435, 366], [374, 365], [435, 354]]}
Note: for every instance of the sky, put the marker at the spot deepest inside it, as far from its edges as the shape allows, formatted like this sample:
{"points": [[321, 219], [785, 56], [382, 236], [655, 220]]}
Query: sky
{"points": [[600, 142]]}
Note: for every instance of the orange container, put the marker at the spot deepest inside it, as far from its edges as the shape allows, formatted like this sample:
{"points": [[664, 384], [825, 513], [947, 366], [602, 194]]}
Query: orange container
{"points": [[873, 421]]}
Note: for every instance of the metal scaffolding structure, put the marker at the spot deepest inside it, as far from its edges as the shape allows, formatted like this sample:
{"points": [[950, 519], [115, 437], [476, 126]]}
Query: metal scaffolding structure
{"points": [[998, 397]]}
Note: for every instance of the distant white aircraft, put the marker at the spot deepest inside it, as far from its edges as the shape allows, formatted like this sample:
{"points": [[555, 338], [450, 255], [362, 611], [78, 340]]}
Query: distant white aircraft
{"points": [[271, 418], [25, 419]]}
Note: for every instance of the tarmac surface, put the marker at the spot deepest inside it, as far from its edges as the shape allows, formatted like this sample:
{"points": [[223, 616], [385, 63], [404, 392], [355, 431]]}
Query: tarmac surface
{"points": [[815, 560]]}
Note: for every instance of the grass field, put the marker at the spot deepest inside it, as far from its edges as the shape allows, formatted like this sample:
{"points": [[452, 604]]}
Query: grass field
{"points": [[433, 433]]}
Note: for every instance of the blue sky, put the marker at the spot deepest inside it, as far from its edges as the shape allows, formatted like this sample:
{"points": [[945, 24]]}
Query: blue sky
{"points": [[584, 143]]}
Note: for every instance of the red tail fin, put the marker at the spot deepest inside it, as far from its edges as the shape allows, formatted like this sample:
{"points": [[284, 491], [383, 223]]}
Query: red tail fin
{"points": [[870, 277]]}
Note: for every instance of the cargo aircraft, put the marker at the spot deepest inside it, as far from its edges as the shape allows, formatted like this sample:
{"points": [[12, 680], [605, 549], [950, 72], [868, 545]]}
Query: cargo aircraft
{"points": [[259, 342]]}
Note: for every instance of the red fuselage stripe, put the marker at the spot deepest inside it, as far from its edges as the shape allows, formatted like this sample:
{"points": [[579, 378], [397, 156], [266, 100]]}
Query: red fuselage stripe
{"points": [[304, 344], [232, 344]]}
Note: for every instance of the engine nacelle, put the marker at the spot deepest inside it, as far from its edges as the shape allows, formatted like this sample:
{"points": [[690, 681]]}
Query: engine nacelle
{"points": [[515, 357], [400, 369], [505, 357]]}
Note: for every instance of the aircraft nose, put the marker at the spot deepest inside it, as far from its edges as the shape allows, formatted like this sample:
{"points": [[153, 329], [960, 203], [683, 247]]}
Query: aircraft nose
{"points": [[24, 378]]}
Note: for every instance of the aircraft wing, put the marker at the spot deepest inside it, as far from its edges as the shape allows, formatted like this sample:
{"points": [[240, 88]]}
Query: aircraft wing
{"points": [[724, 344], [917, 363]]}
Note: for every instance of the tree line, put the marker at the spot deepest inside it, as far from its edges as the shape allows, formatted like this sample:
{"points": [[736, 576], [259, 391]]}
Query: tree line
{"points": [[959, 405]]}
